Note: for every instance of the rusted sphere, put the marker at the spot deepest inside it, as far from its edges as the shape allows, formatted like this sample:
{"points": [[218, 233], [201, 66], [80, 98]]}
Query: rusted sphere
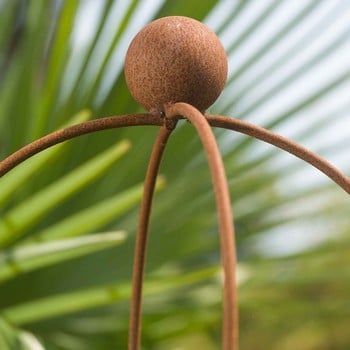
{"points": [[175, 59]]}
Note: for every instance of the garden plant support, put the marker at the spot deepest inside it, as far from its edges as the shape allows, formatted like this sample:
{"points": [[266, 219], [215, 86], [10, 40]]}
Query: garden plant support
{"points": [[183, 91]]}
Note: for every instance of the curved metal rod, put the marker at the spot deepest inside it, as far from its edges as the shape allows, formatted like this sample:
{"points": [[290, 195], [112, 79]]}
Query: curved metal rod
{"points": [[152, 119], [227, 238], [76, 130], [283, 143], [142, 237]]}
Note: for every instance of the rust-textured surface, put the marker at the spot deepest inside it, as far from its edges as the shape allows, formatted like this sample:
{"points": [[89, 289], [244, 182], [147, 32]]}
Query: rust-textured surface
{"points": [[175, 59]]}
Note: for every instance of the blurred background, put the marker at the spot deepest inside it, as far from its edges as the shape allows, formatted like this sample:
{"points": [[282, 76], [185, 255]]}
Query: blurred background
{"points": [[69, 215]]}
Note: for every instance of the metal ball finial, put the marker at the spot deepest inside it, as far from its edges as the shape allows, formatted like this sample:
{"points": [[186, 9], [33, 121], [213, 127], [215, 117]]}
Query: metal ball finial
{"points": [[175, 59]]}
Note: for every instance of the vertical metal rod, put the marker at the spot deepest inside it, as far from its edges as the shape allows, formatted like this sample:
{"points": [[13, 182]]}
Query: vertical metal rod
{"points": [[142, 238]]}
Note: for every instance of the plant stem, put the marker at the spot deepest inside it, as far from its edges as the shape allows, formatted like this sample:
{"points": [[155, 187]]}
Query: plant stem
{"points": [[76, 130], [227, 238], [142, 237], [281, 142]]}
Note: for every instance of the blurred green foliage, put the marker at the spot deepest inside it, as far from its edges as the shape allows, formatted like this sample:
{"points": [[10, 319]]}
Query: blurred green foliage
{"points": [[65, 269]]}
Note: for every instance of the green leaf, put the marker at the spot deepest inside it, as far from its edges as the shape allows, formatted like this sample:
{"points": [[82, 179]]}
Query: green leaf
{"points": [[24, 258], [9, 184], [8, 336], [23, 95], [295, 74], [96, 216], [13, 339], [282, 59], [267, 11], [63, 304], [91, 93], [19, 219], [186, 8], [6, 32], [58, 57]]}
